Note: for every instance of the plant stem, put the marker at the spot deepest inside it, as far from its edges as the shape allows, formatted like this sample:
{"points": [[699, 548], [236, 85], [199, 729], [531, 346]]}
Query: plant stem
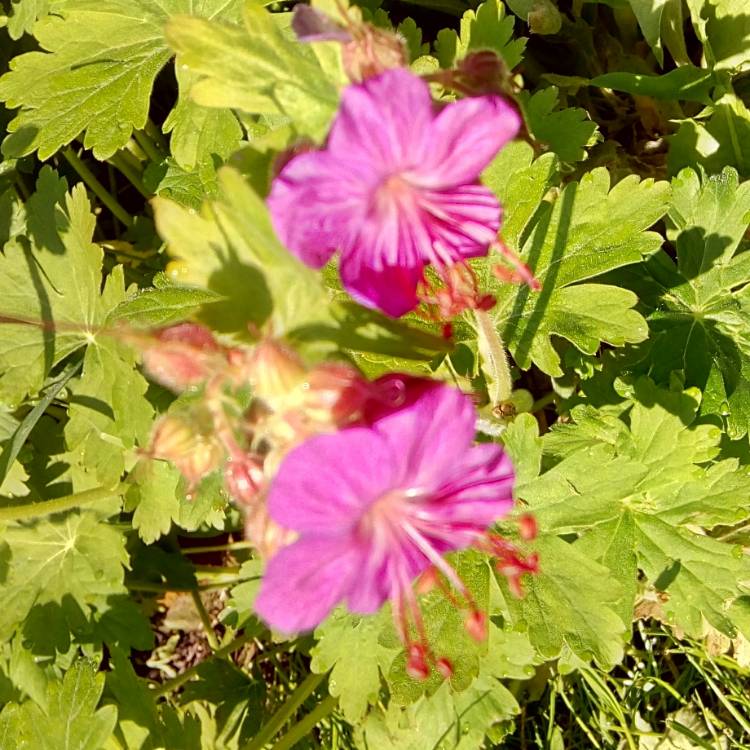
{"points": [[96, 187], [494, 358], [148, 146], [119, 163], [304, 727], [69, 502], [276, 723], [159, 588], [215, 548], [205, 620], [177, 682], [543, 401], [156, 135]]}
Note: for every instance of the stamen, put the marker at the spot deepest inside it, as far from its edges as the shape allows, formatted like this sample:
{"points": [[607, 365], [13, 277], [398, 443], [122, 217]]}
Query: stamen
{"points": [[522, 271], [476, 625], [431, 554]]}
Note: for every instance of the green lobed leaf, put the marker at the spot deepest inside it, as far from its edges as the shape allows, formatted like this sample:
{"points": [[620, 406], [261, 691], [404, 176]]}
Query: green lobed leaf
{"points": [[24, 15], [719, 137], [566, 131], [351, 648], [50, 276], [230, 248], [154, 497], [700, 306], [95, 75], [70, 719], [644, 493], [588, 230], [162, 306], [199, 135], [255, 68], [75, 555], [445, 720], [561, 608], [488, 27]]}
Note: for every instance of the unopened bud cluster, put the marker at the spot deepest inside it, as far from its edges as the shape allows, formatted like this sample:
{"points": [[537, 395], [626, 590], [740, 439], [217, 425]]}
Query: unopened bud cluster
{"points": [[221, 431]]}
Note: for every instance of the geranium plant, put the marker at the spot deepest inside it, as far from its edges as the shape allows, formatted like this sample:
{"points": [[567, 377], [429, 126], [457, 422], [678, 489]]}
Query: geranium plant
{"points": [[374, 381]]}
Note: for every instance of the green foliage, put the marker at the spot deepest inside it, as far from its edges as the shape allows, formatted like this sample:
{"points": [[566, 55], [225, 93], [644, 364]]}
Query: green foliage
{"points": [[231, 66], [588, 230], [69, 720], [699, 312], [489, 27], [83, 85], [128, 619]]}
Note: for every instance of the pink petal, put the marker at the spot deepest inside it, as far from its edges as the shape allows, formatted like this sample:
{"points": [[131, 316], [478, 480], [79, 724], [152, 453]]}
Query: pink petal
{"points": [[305, 581], [429, 433], [387, 118], [462, 220], [477, 489], [392, 289], [325, 484], [465, 137], [312, 204]]}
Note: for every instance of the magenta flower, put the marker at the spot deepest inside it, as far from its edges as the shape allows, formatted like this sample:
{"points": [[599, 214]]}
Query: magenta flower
{"points": [[395, 188], [377, 505]]}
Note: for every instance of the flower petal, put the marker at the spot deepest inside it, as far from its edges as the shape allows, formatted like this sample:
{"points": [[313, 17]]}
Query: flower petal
{"points": [[478, 488], [312, 205], [462, 221], [429, 432], [325, 484], [305, 581], [387, 117], [465, 137], [392, 289]]}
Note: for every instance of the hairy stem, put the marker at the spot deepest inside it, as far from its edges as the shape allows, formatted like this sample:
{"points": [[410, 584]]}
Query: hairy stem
{"points": [[69, 502], [96, 187], [205, 620], [494, 359]]}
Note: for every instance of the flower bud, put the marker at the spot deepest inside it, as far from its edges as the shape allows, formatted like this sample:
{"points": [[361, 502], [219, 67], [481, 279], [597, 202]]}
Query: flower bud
{"points": [[193, 453], [244, 478], [274, 371], [334, 394], [181, 357], [372, 51]]}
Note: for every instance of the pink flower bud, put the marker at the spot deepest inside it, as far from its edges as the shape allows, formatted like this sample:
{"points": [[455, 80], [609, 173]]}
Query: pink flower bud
{"points": [[274, 370], [244, 478], [373, 51], [335, 394], [194, 453], [181, 357]]}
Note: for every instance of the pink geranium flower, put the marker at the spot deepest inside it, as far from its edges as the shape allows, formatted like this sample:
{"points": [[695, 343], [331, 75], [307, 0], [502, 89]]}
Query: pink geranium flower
{"points": [[395, 188], [377, 505]]}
